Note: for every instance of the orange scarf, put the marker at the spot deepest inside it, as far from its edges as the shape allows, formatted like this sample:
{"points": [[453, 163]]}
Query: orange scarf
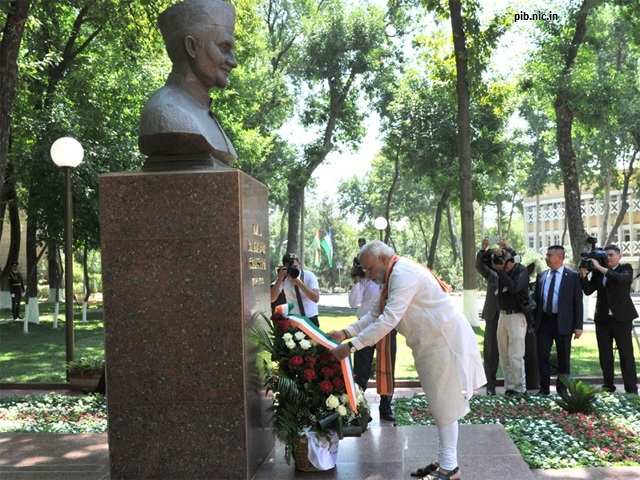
{"points": [[384, 365]]}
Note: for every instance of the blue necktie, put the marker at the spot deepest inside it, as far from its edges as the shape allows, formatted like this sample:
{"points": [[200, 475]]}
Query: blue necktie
{"points": [[549, 303]]}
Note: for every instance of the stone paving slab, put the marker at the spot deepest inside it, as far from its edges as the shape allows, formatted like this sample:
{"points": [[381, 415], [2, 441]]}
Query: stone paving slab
{"points": [[601, 473], [383, 453]]}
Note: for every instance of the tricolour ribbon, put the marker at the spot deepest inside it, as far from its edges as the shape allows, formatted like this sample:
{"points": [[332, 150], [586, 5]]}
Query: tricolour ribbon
{"points": [[319, 337]]}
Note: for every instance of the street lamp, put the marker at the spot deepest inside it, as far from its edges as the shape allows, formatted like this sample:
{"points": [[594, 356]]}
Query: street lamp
{"points": [[67, 153], [381, 224]]}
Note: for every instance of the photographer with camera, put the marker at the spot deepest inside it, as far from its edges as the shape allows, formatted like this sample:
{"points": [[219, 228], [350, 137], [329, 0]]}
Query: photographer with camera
{"points": [[365, 296], [490, 314], [614, 315], [300, 287], [513, 297]]}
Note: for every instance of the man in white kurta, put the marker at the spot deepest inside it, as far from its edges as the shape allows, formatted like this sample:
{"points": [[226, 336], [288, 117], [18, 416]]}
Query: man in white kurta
{"points": [[443, 344]]}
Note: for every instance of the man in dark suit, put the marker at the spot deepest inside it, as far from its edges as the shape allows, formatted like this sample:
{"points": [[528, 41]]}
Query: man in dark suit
{"points": [[558, 297], [614, 316], [490, 314]]}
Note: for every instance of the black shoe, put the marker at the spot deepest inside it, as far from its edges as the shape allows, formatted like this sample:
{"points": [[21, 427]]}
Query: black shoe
{"points": [[607, 388], [424, 471], [491, 391], [543, 391], [512, 393], [387, 415]]}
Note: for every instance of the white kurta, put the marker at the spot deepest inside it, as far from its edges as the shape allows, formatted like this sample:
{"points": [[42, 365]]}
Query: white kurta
{"points": [[443, 344]]}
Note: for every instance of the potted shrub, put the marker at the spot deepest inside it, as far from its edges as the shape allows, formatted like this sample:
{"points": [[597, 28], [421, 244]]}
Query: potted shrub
{"points": [[311, 408], [85, 372]]}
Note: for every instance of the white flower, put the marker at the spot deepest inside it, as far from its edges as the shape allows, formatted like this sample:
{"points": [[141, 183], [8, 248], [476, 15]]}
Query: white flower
{"points": [[299, 336], [342, 410], [344, 398], [290, 344], [287, 337], [305, 344], [332, 402]]}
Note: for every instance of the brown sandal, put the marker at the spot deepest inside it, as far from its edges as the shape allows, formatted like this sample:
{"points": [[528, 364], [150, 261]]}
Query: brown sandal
{"points": [[424, 471]]}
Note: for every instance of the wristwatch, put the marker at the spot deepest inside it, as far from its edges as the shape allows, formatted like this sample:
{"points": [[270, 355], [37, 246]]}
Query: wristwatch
{"points": [[352, 349]]}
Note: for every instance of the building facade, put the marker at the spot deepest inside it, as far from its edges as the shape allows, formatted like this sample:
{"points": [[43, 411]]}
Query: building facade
{"points": [[544, 222]]}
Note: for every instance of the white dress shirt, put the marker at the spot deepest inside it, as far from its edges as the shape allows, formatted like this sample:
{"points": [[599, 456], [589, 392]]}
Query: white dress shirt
{"points": [[364, 295], [556, 288], [310, 307]]}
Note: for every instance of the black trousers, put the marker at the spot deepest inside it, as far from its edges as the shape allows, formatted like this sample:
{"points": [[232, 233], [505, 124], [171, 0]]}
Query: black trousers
{"points": [[531, 371], [547, 335], [362, 360], [16, 298], [490, 350], [315, 320], [606, 332]]}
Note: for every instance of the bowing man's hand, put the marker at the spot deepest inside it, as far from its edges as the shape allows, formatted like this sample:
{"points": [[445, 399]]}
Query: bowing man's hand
{"points": [[337, 335], [577, 334], [341, 351]]}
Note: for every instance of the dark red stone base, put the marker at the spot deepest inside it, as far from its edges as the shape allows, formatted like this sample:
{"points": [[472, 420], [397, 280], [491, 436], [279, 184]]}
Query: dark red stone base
{"points": [[185, 272]]}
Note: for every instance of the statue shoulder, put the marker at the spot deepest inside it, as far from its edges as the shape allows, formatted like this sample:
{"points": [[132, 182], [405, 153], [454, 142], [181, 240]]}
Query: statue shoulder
{"points": [[167, 111]]}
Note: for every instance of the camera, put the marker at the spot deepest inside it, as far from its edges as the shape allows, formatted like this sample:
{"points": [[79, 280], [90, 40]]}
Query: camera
{"points": [[356, 269], [596, 253], [293, 272]]}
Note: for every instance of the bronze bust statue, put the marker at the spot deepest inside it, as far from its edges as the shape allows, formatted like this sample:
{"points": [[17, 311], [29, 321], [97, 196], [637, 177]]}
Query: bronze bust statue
{"points": [[177, 129]]}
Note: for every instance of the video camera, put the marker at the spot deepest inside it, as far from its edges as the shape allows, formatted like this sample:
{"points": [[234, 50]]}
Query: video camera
{"points": [[596, 253]]}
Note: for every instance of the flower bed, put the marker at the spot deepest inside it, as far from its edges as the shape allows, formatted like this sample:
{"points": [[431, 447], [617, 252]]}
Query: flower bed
{"points": [[53, 413], [546, 435]]}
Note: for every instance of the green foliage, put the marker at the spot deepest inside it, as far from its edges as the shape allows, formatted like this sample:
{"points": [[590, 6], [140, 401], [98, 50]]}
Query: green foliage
{"points": [[87, 364], [579, 396], [54, 413]]}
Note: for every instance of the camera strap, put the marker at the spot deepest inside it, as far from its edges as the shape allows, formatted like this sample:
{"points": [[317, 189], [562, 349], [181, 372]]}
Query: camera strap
{"points": [[299, 297]]}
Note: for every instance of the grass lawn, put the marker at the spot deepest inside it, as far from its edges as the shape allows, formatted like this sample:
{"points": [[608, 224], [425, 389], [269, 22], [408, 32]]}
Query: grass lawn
{"points": [[39, 356]]}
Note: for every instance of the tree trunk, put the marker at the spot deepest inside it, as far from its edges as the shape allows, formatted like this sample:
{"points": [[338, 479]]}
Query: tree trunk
{"points": [[453, 238], [469, 281], [9, 49], [87, 286], [464, 147], [499, 217], [482, 208], [32, 313], [392, 187], [564, 125], [296, 200], [301, 241], [624, 204], [436, 229], [53, 270], [424, 238], [279, 252], [604, 226]]}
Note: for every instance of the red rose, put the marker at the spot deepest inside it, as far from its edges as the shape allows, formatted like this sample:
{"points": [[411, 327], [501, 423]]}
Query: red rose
{"points": [[309, 374], [338, 384], [296, 361], [326, 386], [310, 361], [284, 324], [327, 372], [326, 357]]}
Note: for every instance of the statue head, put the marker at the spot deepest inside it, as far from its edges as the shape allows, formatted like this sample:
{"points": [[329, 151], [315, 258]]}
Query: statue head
{"points": [[198, 35]]}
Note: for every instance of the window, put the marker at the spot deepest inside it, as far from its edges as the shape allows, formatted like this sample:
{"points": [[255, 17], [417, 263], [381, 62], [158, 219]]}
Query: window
{"points": [[626, 235], [531, 241]]}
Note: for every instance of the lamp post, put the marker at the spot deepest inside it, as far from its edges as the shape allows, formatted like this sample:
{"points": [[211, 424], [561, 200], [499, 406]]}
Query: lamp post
{"points": [[381, 224], [67, 153]]}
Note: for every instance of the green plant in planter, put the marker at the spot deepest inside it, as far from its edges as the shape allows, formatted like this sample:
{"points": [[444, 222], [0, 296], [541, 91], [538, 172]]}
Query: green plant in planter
{"points": [[86, 365], [579, 396]]}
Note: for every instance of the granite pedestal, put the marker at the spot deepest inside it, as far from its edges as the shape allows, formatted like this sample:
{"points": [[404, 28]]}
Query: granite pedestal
{"points": [[185, 274]]}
